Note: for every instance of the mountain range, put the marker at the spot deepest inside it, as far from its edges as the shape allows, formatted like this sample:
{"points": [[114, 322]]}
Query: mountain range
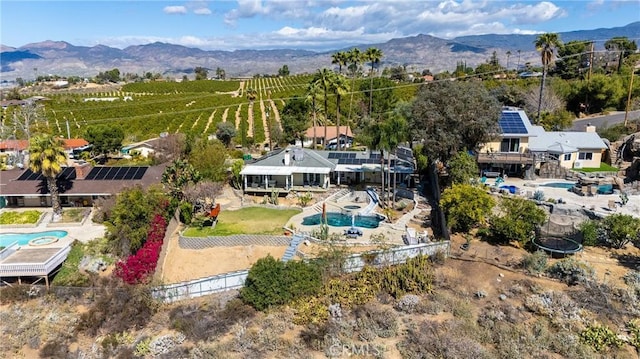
{"points": [[416, 52]]}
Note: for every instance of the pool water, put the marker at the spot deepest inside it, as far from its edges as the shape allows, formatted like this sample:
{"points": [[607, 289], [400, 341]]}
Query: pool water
{"points": [[559, 185], [335, 219], [24, 238]]}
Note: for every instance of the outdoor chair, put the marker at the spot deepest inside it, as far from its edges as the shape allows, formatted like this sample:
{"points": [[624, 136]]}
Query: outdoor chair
{"points": [[613, 206], [593, 190]]}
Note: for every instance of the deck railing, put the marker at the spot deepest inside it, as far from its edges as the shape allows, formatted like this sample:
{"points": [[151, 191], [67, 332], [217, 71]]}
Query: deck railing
{"points": [[505, 157]]}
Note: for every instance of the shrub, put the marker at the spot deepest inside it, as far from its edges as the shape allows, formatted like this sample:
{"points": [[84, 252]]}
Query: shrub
{"points": [[589, 231], [24, 217], [466, 206], [516, 222], [634, 333], [538, 195], [186, 212], [600, 337], [571, 271], [535, 262], [137, 268], [271, 282], [620, 229]]}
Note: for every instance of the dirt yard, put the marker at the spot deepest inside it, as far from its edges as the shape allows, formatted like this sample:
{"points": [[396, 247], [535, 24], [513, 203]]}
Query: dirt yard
{"points": [[188, 264]]}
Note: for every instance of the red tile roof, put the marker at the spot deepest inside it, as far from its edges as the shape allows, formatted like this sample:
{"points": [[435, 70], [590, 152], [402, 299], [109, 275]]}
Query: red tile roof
{"points": [[19, 145], [331, 132]]}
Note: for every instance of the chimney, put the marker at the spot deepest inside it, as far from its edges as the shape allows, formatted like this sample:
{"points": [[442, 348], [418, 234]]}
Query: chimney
{"points": [[287, 157], [590, 128], [82, 170]]}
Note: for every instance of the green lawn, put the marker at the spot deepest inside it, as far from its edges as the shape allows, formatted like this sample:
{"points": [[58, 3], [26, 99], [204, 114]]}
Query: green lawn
{"points": [[73, 215], [250, 220], [603, 168], [24, 217]]}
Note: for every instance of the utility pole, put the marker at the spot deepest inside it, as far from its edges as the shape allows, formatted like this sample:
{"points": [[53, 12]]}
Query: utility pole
{"points": [[590, 63], [626, 113]]}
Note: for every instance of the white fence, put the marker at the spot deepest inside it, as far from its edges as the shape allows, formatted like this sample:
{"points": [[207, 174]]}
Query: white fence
{"points": [[354, 263], [35, 269]]}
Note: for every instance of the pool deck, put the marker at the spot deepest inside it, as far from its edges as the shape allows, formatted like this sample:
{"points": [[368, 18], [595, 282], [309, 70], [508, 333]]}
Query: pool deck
{"points": [[598, 203]]}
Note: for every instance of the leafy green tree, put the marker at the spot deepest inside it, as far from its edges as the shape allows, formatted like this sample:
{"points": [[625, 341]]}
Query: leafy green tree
{"points": [[201, 73], [509, 95], [46, 156], [128, 222], [236, 177], [208, 158], [220, 73], [225, 132], [466, 206], [516, 221], [177, 175], [104, 138], [623, 46], [546, 43], [556, 121], [112, 75], [574, 56], [451, 115], [294, 119], [462, 168], [589, 231], [602, 92], [620, 229], [271, 282], [283, 71], [382, 96]]}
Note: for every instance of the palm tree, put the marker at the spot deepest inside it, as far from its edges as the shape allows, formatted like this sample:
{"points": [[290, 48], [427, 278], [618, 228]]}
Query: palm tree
{"points": [[518, 65], [340, 87], [354, 59], [339, 58], [394, 129], [373, 55], [313, 92], [546, 44], [508, 56], [46, 156], [323, 80]]}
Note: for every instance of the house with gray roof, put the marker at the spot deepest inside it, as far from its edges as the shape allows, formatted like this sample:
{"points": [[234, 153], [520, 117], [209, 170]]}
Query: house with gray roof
{"points": [[302, 169], [521, 147]]}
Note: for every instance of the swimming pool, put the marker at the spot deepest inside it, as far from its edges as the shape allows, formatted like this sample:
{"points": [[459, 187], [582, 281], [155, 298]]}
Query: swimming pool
{"points": [[24, 238], [566, 185], [336, 219]]}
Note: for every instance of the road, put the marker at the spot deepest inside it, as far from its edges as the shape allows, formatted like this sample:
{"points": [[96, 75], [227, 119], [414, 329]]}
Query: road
{"points": [[604, 121]]}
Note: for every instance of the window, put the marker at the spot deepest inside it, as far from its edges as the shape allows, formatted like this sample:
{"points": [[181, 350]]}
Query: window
{"points": [[567, 157], [585, 156], [510, 145]]}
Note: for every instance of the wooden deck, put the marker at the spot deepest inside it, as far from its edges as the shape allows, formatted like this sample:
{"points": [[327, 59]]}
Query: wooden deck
{"points": [[506, 158]]}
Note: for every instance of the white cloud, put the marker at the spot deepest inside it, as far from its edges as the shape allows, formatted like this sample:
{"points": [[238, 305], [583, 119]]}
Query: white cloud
{"points": [[177, 9], [245, 9], [202, 11]]}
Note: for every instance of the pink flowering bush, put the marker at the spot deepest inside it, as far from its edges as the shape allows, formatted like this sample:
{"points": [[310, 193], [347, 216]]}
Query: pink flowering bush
{"points": [[137, 268]]}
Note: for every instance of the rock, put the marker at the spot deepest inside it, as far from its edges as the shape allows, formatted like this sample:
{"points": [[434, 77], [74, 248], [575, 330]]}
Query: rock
{"points": [[501, 275], [335, 311], [481, 294], [92, 264], [502, 297]]}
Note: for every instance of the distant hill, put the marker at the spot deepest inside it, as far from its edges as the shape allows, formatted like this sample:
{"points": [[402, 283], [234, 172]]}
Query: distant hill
{"points": [[417, 52]]}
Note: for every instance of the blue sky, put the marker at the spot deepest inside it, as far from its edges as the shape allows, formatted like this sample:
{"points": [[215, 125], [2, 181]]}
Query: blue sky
{"points": [[313, 24]]}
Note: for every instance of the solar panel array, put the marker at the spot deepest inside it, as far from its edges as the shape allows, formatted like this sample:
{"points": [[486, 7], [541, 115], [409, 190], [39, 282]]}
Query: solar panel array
{"points": [[357, 161], [511, 122], [68, 173], [116, 173], [341, 155]]}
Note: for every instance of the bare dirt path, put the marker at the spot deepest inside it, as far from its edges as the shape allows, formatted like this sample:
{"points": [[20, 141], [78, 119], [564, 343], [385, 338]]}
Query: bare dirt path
{"points": [[250, 120], [224, 114], [209, 121], [238, 118]]}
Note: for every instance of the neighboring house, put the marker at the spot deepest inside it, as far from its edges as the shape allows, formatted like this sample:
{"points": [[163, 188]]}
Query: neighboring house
{"points": [[19, 148], [144, 148], [78, 185], [302, 169], [332, 135], [521, 147]]}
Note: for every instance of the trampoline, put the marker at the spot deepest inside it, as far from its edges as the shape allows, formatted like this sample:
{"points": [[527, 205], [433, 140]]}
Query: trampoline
{"points": [[556, 245], [554, 236]]}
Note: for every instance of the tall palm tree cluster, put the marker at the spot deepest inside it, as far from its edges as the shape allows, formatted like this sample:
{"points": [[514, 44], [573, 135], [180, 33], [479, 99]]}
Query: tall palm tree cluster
{"points": [[546, 44], [385, 135]]}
